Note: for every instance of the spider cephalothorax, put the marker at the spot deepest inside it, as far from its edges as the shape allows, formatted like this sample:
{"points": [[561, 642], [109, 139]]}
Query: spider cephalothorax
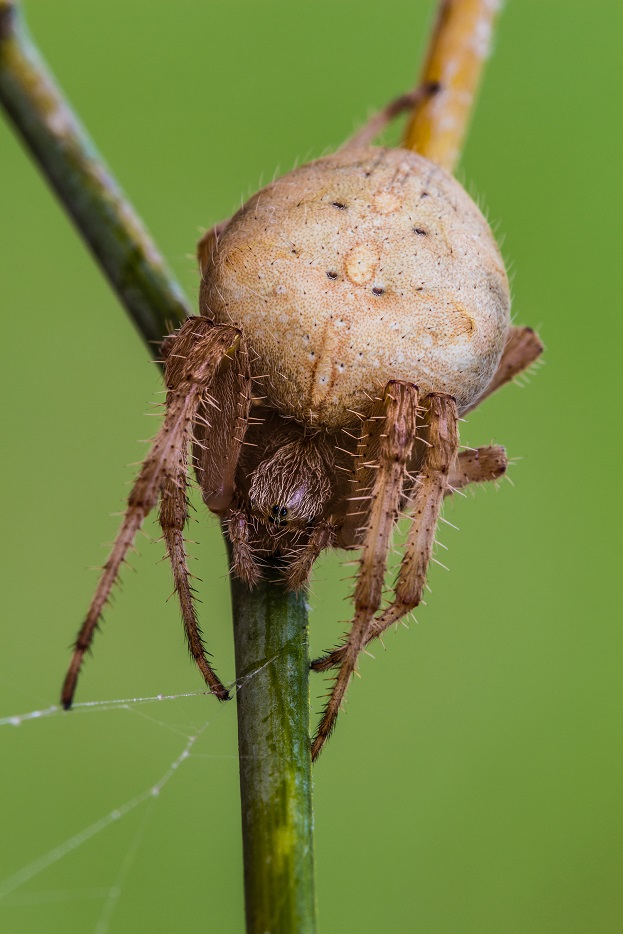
{"points": [[292, 484], [350, 313]]}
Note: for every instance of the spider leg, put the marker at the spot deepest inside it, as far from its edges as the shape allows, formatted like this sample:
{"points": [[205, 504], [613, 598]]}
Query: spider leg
{"points": [[239, 533], [173, 518], [220, 428], [395, 443], [216, 462], [433, 483], [477, 466], [354, 521], [377, 123], [191, 367], [442, 437], [522, 349], [323, 536]]}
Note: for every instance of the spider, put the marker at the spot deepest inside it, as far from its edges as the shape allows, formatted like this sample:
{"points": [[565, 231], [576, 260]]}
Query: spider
{"points": [[350, 313]]}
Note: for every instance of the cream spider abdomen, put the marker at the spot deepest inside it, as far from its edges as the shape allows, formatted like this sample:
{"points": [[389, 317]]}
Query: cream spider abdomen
{"points": [[356, 269]]}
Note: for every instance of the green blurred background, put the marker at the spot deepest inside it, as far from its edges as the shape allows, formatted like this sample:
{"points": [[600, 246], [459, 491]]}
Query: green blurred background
{"points": [[475, 783]]}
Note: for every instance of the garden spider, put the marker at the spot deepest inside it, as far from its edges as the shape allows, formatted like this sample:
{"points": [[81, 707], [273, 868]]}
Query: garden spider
{"points": [[350, 313]]}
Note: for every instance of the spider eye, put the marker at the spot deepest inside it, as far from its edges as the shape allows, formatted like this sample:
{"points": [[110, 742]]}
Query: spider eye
{"points": [[284, 512], [275, 510]]}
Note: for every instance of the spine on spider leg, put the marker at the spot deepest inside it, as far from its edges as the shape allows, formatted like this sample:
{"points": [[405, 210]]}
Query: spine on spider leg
{"points": [[272, 675], [85, 187]]}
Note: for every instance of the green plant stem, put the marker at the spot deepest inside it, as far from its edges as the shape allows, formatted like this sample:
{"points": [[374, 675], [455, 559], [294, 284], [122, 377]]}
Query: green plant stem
{"points": [[269, 623], [272, 664], [63, 151]]}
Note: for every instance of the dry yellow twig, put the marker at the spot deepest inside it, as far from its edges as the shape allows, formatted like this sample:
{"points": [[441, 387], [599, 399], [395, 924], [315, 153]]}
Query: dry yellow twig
{"points": [[457, 51]]}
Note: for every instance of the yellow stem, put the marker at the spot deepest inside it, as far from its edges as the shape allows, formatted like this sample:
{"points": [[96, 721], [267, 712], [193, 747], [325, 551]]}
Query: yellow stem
{"points": [[459, 46]]}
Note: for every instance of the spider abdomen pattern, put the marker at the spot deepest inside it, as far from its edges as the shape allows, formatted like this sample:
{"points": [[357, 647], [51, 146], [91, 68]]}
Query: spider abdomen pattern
{"points": [[356, 269]]}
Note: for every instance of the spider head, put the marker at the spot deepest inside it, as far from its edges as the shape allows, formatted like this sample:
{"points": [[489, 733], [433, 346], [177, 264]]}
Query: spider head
{"points": [[283, 501], [291, 486], [279, 515]]}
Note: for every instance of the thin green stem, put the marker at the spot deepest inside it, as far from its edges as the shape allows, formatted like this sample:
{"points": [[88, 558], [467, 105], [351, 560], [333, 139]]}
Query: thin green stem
{"points": [[270, 624], [270, 627], [63, 151]]}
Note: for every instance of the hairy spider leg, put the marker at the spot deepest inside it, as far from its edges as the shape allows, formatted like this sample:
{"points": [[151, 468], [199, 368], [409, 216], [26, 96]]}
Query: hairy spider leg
{"points": [[243, 561], [474, 466], [478, 465], [484, 464], [215, 466], [523, 348], [443, 438], [323, 536], [173, 517], [378, 121], [433, 482], [395, 441], [219, 433], [192, 364]]}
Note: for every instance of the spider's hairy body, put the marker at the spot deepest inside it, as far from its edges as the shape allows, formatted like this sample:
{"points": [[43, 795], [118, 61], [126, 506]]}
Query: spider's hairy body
{"points": [[356, 269], [294, 482], [349, 313]]}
